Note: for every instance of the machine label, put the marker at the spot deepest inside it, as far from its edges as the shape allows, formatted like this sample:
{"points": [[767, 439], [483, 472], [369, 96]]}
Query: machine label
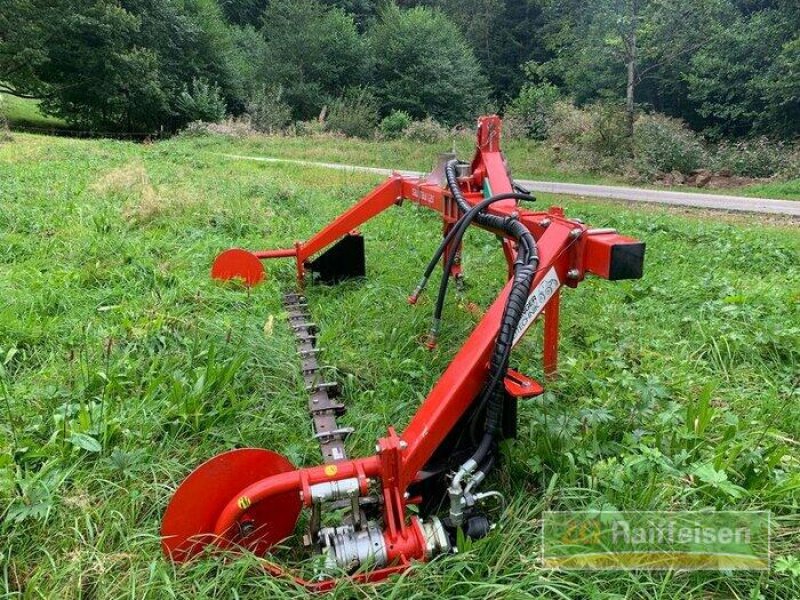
{"points": [[540, 296]]}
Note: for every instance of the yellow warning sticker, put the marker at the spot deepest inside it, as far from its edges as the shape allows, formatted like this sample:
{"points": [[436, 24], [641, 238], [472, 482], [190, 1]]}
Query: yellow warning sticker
{"points": [[331, 470], [243, 502]]}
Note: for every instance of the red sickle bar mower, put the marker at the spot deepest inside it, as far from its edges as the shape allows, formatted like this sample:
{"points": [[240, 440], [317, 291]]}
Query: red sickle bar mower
{"points": [[251, 498]]}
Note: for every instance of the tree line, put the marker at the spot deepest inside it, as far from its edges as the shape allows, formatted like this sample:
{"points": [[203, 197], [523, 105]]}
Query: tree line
{"points": [[729, 68]]}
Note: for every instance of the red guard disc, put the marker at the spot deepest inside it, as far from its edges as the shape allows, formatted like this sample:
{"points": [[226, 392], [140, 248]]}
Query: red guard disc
{"points": [[192, 513], [237, 263]]}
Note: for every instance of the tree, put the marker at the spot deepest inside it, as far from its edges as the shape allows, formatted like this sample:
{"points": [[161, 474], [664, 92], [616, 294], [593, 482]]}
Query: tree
{"points": [[614, 45], [243, 12], [746, 79], [313, 53], [503, 34], [115, 65], [423, 65]]}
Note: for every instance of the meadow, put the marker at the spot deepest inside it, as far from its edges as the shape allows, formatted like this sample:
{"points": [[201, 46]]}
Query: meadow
{"points": [[123, 366]]}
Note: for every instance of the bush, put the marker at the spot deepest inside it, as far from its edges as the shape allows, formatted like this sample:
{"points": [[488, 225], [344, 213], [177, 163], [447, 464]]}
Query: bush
{"points": [[201, 102], [394, 125], [423, 64], [235, 128], [311, 127], [663, 145], [355, 114], [427, 130], [267, 110], [593, 138], [532, 111], [758, 158]]}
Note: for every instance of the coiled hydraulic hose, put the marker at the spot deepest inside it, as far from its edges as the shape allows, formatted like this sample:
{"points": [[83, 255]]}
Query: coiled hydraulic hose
{"points": [[524, 271]]}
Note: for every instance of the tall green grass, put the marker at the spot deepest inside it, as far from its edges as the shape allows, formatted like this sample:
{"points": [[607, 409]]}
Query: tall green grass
{"points": [[124, 366]]}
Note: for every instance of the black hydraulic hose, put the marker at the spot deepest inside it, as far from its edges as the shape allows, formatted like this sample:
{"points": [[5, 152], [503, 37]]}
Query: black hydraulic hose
{"points": [[449, 238], [461, 228], [524, 272]]}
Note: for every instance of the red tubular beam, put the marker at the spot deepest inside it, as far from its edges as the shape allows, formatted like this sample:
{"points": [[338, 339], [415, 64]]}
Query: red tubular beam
{"points": [[374, 203], [287, 482], [465, 376], [550, 351], [288, 253]]}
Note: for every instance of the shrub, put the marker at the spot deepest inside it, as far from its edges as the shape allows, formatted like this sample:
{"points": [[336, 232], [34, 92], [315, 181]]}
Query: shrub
{"points": [[758, 158], [395, 123], [427, 130], [310, 127], [267, 110], [201, 102], [423, 64], [355, 114], [593, 138], [663, 145], [792, 168], [236, 128], [532, 111]]}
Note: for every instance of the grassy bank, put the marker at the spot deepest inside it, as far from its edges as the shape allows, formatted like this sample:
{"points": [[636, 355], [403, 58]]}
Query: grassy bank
{"points": [[124, 366], [25, 113], [529, 159]]}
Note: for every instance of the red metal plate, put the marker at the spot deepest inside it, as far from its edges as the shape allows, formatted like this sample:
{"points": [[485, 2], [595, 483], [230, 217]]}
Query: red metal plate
{"points": [[197, 503], [237, 263]]}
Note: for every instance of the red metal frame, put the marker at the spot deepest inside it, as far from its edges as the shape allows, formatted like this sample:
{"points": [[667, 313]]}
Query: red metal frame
{"points": [[568, 250]]}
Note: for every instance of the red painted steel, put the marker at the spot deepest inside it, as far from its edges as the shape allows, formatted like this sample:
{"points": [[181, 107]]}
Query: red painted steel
{"points": [[238, 264], [563, 246], [193, 511]]}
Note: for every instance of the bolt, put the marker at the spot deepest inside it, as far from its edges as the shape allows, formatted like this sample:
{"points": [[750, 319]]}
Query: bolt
{"points": [[545, 223], [406, 495], [246, 528], [403, 444], [573, 274], [576, 233], [378, 448]]}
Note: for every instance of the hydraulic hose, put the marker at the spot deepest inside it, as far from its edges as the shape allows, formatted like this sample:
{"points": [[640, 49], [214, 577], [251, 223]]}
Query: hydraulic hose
{"points": [[453, 233], [524, 271], [510, 226]]}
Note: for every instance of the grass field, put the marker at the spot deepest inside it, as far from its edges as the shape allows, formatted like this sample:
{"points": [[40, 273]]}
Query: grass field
{"points": [[24, 112], [529, 159], [124, 366]]}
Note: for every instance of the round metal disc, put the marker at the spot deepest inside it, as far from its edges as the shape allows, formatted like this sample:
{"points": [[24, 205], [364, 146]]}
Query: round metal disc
{"points": [[192, 513], [238, 264]]}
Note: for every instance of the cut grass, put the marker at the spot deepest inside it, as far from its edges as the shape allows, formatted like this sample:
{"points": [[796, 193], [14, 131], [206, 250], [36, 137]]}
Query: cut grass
{"points": [[124, 366]]}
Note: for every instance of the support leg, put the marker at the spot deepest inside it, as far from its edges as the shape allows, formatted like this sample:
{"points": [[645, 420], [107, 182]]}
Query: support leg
{"points": [[551, 316]]}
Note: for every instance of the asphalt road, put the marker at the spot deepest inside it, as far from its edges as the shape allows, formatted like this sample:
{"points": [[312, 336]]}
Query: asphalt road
{"points": [[788, 208]]}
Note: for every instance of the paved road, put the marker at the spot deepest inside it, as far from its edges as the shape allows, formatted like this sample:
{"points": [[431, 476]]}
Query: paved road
{"points": [[695, 200]]}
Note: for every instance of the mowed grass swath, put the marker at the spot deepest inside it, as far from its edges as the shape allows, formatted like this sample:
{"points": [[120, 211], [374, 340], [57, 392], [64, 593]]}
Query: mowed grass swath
{"points": [[124, 366]]}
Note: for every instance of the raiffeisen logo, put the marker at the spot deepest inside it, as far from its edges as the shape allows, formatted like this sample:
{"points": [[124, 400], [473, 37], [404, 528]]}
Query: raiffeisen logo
{"points": [[604, 540]]}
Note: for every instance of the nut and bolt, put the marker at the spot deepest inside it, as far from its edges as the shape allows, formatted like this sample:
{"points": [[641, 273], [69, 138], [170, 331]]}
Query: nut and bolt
{"points": [[573, 274]]}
